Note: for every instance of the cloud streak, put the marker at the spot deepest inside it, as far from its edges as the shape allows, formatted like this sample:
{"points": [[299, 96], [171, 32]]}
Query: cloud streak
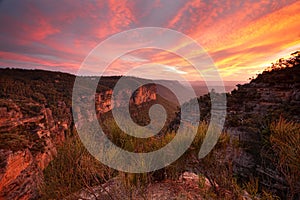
{"points": [[241, 37]]}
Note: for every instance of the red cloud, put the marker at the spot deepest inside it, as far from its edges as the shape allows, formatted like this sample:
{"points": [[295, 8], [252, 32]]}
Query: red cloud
{"points": [[238, 35]]}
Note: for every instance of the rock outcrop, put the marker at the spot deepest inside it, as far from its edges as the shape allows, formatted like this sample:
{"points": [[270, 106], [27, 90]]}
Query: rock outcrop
{"points": [[20, 176], [251, 107], [29, 143], [104, 103]]}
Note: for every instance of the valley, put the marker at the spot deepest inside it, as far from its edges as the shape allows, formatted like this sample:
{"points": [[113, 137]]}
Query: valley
{"points": [[257, 154]]}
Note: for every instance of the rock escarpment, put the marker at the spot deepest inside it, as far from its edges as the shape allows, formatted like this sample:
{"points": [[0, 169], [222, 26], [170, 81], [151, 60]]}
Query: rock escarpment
{"points": [[35, 119], [251, 108], [28, 145], [104, 103]]}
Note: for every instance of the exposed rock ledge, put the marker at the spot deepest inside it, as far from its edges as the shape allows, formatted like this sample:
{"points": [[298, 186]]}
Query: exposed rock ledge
{"points": [[21, 168]]}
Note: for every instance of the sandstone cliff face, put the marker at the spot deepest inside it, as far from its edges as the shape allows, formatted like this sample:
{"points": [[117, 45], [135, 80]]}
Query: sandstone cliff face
{"points": [[104, 103], [144, 94], [25, 154], [250, 108], [264, 98], [20, 176]]}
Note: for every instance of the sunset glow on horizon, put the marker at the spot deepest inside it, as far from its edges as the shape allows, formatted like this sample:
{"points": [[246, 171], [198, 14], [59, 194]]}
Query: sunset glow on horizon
{"points": [[242, 38]]}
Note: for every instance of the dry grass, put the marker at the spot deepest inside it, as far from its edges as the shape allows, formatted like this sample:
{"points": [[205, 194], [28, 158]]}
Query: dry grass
{"points": [[73, 169], [285, 141]]}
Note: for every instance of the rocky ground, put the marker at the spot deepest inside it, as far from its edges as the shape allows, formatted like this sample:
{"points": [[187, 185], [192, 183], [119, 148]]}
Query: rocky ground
{"points": [[188, 187]]}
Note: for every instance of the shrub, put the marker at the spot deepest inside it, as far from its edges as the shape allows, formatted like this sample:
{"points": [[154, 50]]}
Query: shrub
{"points": [[73, 169], [285, 140]]}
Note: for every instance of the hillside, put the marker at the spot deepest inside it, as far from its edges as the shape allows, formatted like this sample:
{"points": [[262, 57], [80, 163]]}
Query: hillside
{"points": [[256, 157], [36, 119], [270, 100], [267, 107]]}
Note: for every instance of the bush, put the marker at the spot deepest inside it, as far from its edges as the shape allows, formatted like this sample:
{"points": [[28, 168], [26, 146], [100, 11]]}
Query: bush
{"points": [[285, 140], [73, 169]]}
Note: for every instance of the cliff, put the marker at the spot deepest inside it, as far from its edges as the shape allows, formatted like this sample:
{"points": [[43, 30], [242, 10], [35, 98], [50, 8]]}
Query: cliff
{"points": [[251, 108], [35, 119], [28, 144], [103, 100]]}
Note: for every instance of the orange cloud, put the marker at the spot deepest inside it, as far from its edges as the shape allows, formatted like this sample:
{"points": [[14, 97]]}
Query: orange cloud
{"points": [[255, 43], [241, 37], [245, 39]]}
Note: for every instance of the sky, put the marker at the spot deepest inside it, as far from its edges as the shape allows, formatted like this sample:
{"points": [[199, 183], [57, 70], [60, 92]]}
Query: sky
{"points": [[241, 37]]}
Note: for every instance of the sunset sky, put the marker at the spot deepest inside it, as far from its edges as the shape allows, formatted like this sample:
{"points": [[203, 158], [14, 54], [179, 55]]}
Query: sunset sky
{"points": [[242, 37]]}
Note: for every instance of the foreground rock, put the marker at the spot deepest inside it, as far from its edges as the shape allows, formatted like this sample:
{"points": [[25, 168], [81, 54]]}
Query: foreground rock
{"points": [[188, 186]]}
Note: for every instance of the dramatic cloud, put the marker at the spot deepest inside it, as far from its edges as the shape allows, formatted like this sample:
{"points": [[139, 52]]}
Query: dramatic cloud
{"points": [[241, 37]]}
